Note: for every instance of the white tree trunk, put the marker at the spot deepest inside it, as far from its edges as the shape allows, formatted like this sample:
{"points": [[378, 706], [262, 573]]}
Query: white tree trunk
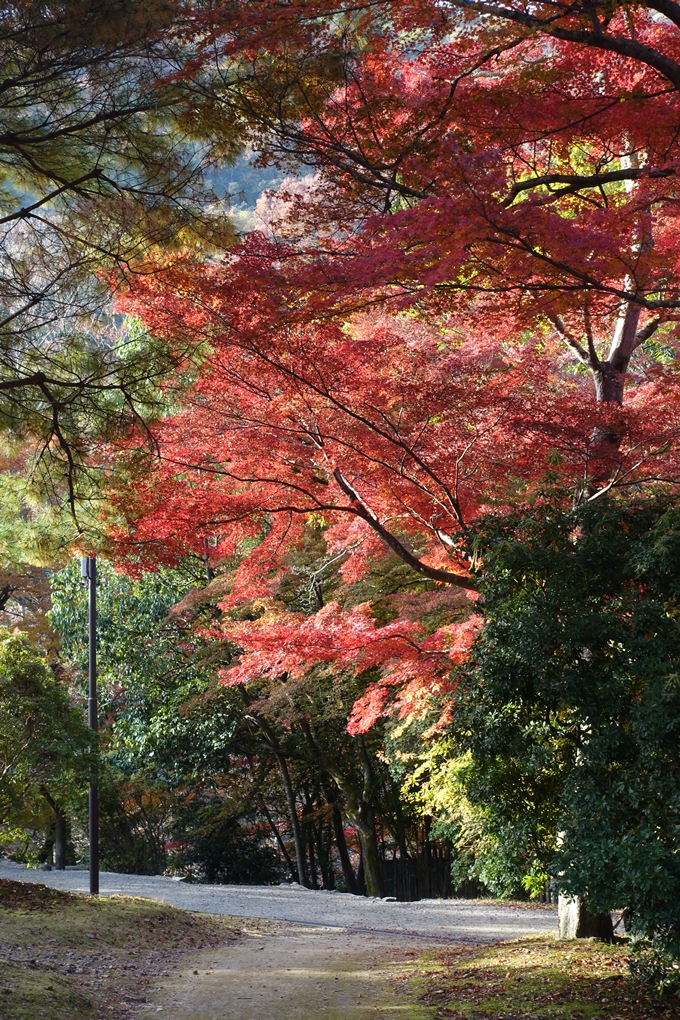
{"points": [[574, 921]]}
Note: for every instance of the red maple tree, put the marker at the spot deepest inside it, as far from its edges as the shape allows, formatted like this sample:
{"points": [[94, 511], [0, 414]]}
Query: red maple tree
{"points": [[504, 182], [527, 150], [390, 434]]}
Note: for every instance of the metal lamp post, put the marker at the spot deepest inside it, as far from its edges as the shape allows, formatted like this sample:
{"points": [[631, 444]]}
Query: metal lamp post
{"points": [[88, 569]]}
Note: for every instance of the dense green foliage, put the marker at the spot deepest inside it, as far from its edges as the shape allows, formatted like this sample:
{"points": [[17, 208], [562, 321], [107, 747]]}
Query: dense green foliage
{"points": [[158, 735], [46, 752], [570, 709], [145, 671]]}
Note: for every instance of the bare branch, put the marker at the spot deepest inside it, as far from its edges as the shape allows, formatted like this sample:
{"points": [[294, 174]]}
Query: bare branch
{"points": [[578, 349]]}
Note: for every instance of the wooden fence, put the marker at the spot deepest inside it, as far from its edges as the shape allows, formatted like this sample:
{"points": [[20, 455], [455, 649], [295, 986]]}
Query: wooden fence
{"points": [[426, 875]]}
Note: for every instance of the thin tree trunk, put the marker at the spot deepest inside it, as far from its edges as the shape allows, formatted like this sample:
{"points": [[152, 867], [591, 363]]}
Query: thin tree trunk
{"points": [[324, 842], [362, 816], [341, 843], [331, 795], [370, 855], [360, 811], [373, 867], [287, 785], [277, 835], [426, 891], [361, 876], [59, 840], [314, 878], [307, 827], [59, 830], [294, 821]]}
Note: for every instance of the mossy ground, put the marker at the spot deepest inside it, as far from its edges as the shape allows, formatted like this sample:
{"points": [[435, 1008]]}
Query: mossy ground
{"points": [[533, 979], [71, 957]]}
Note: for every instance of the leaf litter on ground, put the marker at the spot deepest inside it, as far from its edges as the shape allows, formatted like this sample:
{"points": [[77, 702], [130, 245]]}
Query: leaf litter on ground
{"points": [[535, 978], [65, 956]]}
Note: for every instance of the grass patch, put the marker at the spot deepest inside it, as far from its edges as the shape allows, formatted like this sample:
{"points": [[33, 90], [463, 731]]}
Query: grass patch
{"points": [[534, 979], [65, 956]]}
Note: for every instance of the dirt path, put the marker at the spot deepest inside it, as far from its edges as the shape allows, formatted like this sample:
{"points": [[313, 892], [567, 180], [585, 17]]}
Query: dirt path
{"points": [[291, 972]]}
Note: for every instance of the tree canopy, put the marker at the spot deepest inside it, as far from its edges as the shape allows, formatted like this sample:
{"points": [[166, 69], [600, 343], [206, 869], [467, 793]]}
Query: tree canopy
{"points": [[422, 434]]}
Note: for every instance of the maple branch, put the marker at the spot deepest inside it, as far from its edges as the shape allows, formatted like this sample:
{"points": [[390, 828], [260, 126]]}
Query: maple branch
{"points": [[670, 69], [576, 182], [358, 509], [586, 280], [595, 363], [596, 38], [391, 436], [362, 511], [579, 350], [497, 51], [646, 332]]}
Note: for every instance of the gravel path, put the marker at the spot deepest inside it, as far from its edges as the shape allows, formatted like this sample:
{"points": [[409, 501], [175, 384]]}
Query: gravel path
{"points": [[441, 920]]}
